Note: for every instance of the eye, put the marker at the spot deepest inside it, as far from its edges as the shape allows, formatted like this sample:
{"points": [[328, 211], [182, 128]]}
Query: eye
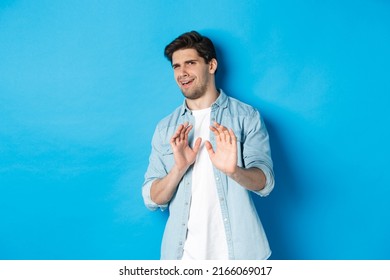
{"points": [[191, 62]]}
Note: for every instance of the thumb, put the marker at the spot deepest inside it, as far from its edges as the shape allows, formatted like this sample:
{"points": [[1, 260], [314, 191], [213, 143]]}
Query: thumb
{"points": [[197, 145], [209, 148]]}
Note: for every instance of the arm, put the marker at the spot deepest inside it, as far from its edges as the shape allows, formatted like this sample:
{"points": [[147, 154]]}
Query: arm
{"points": [[251, 178], [225, 159], [163, 189]]}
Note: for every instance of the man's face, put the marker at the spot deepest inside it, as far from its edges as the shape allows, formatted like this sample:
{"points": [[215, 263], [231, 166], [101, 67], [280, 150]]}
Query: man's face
{"points": [[191, 72]]}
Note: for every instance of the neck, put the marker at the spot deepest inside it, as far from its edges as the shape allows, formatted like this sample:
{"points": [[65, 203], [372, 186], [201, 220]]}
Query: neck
{"points": [[203, 102]]}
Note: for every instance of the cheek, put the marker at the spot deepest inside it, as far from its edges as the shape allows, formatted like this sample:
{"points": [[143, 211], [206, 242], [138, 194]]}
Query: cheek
{"points": [[176, 77]]}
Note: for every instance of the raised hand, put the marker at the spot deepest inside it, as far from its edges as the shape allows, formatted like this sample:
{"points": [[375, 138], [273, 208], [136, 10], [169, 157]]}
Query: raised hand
{"points": [[163, 189], [225, 156], [183, 154]]}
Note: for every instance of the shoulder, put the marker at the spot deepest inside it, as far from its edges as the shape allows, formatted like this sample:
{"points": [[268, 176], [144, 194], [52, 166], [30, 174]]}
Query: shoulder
{"points": [[239, 108], [171, 119]]}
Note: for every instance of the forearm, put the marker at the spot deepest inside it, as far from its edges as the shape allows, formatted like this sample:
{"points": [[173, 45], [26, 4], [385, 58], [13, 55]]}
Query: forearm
{"points": [[252, 178], [163, 189]]}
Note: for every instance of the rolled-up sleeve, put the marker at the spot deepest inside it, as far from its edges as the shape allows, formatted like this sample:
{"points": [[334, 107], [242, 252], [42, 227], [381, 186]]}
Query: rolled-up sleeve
{"points": [[156, 170], [257, 151]]}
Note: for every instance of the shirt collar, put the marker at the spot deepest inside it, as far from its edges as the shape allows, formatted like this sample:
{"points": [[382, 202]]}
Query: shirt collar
{"points": [[222, 101]]}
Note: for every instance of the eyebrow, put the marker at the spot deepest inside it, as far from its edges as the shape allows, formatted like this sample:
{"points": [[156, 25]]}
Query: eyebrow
{"points": [[185, 62]]}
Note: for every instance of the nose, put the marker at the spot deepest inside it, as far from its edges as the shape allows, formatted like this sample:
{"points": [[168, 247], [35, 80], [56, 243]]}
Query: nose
{"points": [[183, 72]]}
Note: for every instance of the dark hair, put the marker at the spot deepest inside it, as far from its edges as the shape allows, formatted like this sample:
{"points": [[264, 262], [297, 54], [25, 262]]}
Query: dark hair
{"points": [[192, 40]]}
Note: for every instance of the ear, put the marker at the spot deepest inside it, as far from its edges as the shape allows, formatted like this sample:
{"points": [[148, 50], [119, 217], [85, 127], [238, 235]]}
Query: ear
{"points": [[213, 65]]}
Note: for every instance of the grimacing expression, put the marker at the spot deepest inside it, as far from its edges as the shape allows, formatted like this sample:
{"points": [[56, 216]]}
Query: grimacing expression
{"points": [[192, 73]]}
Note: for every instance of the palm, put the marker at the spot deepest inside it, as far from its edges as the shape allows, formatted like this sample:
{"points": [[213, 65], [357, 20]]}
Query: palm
{"points": [[224, 157], [183, 154]]}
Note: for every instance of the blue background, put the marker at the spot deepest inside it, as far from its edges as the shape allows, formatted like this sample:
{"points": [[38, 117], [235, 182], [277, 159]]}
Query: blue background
{"points": [[83, 84]]}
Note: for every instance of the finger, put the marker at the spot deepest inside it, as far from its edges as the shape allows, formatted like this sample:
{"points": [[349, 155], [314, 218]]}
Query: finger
{"points": [[227, 136], [175, 136], [233, 136], [179, 133], [187, 131], [219, 126], [224, 132], [181, 127], [178, 130], [183, 130], [197, 145], [216, 133], [173, 141], [209, 148]]}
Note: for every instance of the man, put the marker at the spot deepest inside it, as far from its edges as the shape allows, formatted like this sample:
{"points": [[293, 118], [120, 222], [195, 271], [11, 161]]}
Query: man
{"points": [[207, 157]]}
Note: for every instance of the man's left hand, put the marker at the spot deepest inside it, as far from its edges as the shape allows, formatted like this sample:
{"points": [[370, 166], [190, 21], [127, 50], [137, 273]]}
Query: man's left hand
{"points": [[224, 157]]}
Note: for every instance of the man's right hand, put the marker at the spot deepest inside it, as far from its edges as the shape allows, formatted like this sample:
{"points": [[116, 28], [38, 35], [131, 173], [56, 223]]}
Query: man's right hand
{"points": [[163, 189], [183, 154]]}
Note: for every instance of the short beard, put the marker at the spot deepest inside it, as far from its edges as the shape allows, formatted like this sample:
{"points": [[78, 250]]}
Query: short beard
{"points": [[197, 93]]}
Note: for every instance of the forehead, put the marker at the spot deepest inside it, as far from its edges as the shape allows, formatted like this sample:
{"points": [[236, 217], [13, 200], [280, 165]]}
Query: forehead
{"points": [[185, 55]]}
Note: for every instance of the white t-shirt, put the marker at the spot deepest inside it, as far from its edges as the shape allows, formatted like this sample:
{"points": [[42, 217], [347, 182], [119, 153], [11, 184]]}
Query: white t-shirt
{"points": [[206, 238]]}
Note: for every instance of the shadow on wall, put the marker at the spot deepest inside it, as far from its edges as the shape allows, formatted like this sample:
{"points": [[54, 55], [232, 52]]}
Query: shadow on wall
{"points": [[274, 208]]}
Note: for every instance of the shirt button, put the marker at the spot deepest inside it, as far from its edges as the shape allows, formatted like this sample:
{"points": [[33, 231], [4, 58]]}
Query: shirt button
{"points": [[217, 178]]}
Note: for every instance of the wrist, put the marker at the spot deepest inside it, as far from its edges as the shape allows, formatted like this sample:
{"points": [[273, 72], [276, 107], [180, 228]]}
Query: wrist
{"points": [[233, 173], [179, 170]]}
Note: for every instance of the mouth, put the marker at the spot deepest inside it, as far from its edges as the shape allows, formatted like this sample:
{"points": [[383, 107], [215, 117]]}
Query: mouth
{"points": [[186, 83]]}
